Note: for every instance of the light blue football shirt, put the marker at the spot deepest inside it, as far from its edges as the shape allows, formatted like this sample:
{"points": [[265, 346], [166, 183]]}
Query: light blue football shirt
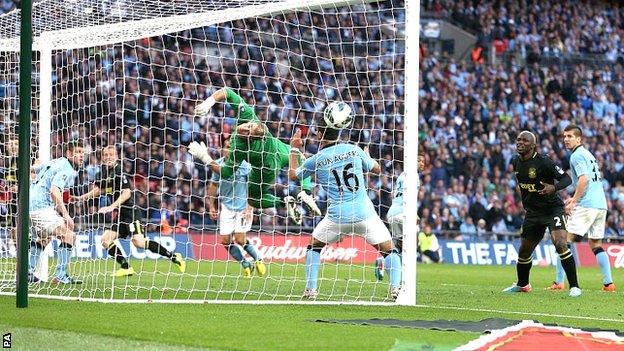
{"points": [[582, 162], [339, 169], [59, 173], [233, 191], [397, 201]]}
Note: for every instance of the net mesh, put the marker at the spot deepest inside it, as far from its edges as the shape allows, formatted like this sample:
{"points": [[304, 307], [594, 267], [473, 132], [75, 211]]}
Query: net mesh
{"points": [[138, 91]]}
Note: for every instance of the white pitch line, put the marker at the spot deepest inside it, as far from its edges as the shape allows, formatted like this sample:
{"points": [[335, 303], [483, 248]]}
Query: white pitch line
{"points": [[450, 284], [521, 313]]}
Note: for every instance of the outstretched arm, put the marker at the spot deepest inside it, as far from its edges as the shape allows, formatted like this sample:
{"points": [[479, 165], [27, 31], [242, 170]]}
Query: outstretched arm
{"points": [[293, 164], [220, 95], [375, 168], [125, 195], [200, 152], [203, 108], [244, 113], [94, 192], [212, 200]]}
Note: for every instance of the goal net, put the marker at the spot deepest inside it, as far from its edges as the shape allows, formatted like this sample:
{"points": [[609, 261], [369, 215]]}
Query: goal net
{"points": [[126, 76]]}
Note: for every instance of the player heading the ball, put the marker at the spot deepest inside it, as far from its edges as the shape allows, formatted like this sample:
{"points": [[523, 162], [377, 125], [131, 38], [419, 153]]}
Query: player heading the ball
{"points": [[339, 168]]}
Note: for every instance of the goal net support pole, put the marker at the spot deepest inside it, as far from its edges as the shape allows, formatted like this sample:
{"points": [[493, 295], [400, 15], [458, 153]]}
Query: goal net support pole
{"points": [[412, 58], [25, 97]]}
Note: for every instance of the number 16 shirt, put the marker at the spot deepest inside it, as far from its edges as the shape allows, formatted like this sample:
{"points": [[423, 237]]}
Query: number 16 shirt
{"points": [[339, 169]]}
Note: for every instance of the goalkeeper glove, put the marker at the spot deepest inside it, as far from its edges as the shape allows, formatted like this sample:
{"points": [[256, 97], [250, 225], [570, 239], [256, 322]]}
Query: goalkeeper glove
{"points": [[202, 109], [200, 152]]}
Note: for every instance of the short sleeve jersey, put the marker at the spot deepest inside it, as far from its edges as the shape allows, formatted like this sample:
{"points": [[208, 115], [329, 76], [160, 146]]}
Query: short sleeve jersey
{"points": [[339, 169]]}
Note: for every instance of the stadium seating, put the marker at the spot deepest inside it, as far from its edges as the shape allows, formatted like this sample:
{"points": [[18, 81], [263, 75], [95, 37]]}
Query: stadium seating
{"points": [[469, 117]]}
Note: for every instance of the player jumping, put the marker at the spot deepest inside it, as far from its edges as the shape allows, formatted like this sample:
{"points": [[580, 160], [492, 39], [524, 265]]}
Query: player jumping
{"points": [[267, 155], [235, 216], [339, 168]]}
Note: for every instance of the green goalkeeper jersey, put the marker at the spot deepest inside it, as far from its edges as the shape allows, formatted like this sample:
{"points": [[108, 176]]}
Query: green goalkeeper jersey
{"points": [[265, 154]]}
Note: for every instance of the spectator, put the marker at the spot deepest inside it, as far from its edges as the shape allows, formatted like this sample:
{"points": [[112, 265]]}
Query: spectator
{"points": [[468, 229], [528, 27], [451, 226], [439, 173], [476, 210], [428, 246], [482, 232], [494, 213]]}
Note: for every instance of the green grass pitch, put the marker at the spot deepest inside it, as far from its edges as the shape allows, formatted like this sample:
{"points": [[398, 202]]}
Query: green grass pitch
{"points": [[444, 292]]}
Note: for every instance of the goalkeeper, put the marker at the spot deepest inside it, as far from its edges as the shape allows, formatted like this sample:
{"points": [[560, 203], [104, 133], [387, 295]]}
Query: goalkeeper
{"points": [[252, 142]]}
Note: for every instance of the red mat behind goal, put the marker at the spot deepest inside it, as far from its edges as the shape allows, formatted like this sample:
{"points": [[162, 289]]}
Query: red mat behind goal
{"points": [[529, 336]]}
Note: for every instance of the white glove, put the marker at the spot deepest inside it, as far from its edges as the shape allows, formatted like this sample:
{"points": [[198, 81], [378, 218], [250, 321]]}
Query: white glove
{"points": [[202, 109], [200, 152]]}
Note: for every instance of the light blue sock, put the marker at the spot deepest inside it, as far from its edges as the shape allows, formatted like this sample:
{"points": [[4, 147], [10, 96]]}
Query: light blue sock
{"points": [[312, 266], [251, 250], [560, 276], [64, 256], [605, 266], [393, 267], [33, 257], [235, 252]]}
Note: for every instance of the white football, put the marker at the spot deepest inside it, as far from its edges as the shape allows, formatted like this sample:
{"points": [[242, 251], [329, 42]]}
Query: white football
{"points": [[338, 115]]}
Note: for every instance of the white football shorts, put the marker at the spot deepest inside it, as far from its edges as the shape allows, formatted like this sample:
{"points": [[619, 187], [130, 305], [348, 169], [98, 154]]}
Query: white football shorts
{"points": [[396, 226], [45, 221], [590, 221], [372, 229], [231, 222]]}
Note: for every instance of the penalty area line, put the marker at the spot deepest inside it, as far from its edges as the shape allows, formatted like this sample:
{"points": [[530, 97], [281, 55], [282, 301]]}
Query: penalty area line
{"points": [[458, 308]]}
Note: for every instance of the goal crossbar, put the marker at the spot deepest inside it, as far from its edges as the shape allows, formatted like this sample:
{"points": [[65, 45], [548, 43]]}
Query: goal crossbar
{"points": [[122, 31]]}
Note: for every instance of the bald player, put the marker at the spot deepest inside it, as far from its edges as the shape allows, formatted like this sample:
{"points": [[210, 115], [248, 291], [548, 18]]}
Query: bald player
{"points": [[539, 180]]}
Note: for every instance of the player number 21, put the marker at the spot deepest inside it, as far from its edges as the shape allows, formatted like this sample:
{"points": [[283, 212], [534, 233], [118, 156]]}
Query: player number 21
{"points": [[346, 176]]}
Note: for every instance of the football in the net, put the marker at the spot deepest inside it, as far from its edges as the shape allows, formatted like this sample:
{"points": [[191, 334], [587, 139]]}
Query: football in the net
{"points": [[338, 115]]}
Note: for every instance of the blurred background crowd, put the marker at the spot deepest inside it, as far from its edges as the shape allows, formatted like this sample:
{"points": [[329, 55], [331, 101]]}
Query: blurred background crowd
{"points": [[142, 95]]}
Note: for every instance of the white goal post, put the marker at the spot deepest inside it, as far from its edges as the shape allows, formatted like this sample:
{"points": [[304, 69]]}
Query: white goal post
{"points": [[129, 73]]}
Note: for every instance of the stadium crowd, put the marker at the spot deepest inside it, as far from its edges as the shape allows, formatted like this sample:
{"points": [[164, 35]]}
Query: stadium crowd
{"points": [[551, 28], [143, 96]]}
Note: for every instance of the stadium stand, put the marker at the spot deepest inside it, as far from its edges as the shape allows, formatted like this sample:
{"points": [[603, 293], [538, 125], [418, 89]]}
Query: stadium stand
{"points": [[469, 116]]}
